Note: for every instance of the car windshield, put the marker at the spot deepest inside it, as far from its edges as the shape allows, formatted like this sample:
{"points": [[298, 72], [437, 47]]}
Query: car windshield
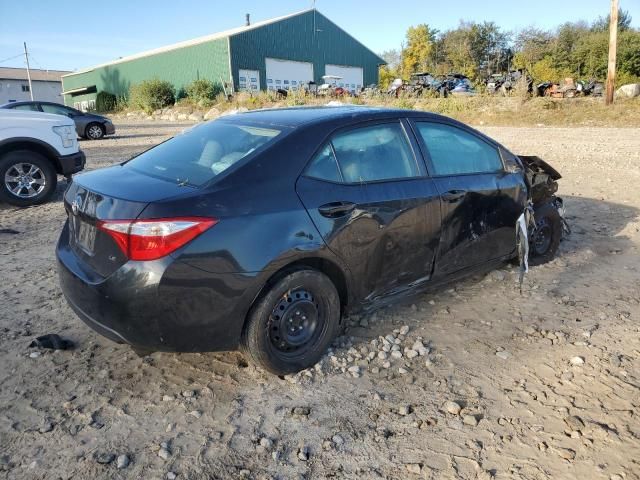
{"points": [[196, 156]]}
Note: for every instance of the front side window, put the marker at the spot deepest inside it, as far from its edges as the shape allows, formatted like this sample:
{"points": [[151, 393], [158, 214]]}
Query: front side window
{"points": [[198, 155], [456, 152], [366, 154]]}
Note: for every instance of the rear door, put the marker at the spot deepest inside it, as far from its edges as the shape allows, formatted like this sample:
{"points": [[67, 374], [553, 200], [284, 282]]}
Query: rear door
{"points": [[367, 193], [480, 200]]}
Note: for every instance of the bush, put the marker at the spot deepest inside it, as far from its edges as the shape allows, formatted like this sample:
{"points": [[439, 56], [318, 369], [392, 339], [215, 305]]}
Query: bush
{"points": [[203, 91], [106, 102], [151, 95]]}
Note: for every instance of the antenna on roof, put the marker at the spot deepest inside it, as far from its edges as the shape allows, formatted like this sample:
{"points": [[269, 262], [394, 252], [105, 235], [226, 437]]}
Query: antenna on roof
{"points": [[248, 21]]}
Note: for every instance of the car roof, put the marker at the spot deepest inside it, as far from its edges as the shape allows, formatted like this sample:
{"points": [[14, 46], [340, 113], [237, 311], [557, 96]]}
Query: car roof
{"points": [[298, 116]]}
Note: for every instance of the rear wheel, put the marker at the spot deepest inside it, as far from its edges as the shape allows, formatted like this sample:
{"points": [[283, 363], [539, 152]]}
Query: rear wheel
{"points": [[94, 131], [292, 325], [27, 178], [545, 240]]}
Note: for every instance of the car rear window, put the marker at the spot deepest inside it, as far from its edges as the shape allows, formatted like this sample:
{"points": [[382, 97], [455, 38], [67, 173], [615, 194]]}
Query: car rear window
{"points": [[196, 156]]}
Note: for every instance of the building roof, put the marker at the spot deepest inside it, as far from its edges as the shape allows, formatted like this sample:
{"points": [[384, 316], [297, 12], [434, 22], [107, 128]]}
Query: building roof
{"points": [[188, 43], [37, 75]]}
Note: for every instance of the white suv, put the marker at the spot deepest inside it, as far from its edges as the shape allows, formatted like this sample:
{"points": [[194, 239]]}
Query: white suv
{"points": [[34, 149]]}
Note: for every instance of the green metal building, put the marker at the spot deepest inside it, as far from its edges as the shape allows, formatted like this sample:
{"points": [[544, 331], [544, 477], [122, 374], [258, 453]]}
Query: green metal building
{"points": [[281, 53]]}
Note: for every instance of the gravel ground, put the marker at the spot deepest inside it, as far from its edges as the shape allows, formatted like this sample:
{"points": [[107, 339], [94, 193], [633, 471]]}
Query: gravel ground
{"points": [[474, 381]]}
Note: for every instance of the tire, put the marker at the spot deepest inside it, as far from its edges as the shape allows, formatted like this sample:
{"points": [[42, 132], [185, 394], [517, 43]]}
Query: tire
{"points": [[544, 242], [26, 178], [291, 326], [94, 131]]}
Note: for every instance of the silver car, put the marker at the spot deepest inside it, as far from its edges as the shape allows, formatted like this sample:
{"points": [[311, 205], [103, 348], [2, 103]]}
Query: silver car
{"points": [[88, 125]]}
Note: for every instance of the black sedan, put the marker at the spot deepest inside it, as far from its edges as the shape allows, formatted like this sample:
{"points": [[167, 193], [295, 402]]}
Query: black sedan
{"points": [[88, 125], [261, 230]]}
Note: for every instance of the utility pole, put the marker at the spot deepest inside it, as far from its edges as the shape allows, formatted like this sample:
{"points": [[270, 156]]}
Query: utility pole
{"points": [[613, 40], [26, 56]]}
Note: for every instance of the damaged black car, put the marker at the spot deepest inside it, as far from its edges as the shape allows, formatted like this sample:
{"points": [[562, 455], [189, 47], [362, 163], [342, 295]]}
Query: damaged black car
{"points": [[261, 230]]}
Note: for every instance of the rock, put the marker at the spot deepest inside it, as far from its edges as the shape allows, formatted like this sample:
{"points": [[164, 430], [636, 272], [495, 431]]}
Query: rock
{"points": [[196, 413], [266, 443], [574, 422], [354, 369], [337, 439], [629, 90], [414, 468], [566, 453], [405, 410], [382, 355], [196, 117], [404, 330], [105, 458], [182, 116], [396, 354], [46, 427], [470, 420], [530, 330], [577, 361], [301, 411], [386, 364], [164, 453], [168, 398], [171, 476], [498, 275], [402, 371], [212, 113], [34, 354], [364, 323], [122, 462], [503, 355], [188, 394], [303, 454], [411, 353], [452, 407]]}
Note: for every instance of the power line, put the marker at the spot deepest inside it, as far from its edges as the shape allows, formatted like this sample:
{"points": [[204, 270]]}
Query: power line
{"points": [[11, 58]]}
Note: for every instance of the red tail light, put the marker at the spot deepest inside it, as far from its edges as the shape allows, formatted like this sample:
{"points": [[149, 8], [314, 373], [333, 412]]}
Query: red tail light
{"points": [[154, 238]]}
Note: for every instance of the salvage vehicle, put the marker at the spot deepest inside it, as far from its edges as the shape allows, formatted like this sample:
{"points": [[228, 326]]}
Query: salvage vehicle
{"points": [[35, 148], [262, 230], [88, 125]]}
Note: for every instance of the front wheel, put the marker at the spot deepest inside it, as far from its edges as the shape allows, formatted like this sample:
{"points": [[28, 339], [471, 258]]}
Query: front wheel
{"points": [[545, 239], [94, 131], [291, 326], [27, 178]]}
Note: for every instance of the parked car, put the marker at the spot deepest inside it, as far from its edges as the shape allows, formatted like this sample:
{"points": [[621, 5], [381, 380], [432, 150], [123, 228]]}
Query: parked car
{"points": [[88, 125], [260, 230], [35, 148]]}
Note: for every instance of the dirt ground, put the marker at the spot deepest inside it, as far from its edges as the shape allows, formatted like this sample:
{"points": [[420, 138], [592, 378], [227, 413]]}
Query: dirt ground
{"points": [[546, 384]]}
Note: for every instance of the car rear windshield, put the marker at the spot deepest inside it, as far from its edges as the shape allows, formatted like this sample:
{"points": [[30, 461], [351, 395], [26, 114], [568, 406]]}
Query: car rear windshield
{"points": [[196, 156]]}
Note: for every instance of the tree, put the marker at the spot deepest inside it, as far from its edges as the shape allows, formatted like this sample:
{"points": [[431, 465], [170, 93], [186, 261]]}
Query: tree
{"points": [[392, 57], [418, 53], [532, 45], [602, 23]]}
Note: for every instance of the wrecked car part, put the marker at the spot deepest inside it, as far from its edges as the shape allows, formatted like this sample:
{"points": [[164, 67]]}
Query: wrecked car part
{"points": [[52, 341]]}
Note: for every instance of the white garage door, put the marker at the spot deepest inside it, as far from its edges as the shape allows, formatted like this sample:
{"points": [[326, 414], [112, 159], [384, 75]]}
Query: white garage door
{"points": [[352, 77], [287, 74]]}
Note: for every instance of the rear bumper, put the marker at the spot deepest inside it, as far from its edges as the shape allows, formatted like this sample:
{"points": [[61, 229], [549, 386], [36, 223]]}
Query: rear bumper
{"points": [[163, 305], [70, 164]]}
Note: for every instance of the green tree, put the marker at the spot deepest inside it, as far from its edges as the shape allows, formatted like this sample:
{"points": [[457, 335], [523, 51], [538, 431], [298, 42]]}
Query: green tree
{"points": [[418, 53], [602, 23]]}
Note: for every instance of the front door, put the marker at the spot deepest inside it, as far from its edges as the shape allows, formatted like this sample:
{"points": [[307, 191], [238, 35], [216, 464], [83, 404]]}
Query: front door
{"points": [[249, 80], [480, 200], [367, 193]]}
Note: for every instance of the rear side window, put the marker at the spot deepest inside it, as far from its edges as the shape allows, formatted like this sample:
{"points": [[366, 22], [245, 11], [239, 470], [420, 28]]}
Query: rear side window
{"points": [[198, 155], [367, 154], [31, 107], [57, 109], [456, 152]]}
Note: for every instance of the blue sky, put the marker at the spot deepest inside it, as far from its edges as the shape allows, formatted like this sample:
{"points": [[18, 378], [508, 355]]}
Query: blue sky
{"points": [[72, 34]]}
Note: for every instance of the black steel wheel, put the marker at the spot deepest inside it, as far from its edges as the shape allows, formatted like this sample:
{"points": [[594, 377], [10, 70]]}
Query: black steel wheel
{"points": [[292, 324], [545, 240]]}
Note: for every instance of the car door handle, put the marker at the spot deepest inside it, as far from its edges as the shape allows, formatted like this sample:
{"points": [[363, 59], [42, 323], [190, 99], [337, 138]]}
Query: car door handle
{"points": [[336, 209], [453, 195]]}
